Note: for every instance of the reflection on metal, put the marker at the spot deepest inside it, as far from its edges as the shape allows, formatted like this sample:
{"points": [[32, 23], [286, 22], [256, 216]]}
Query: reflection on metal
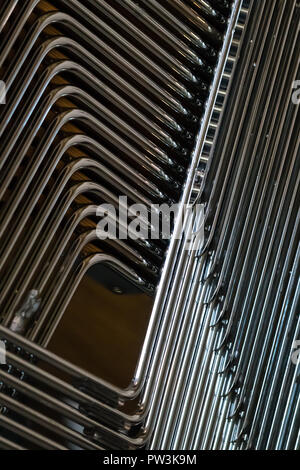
{"points": [[229, 381], [2, 92], [134, 343], [25, 315]]}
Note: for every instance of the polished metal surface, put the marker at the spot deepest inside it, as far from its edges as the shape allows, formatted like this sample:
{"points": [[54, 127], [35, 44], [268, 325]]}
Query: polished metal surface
{"points": [[180, 342]]}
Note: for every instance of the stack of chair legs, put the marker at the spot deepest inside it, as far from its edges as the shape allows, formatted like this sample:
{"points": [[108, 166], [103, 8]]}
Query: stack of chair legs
{"points": [[103, 99]]}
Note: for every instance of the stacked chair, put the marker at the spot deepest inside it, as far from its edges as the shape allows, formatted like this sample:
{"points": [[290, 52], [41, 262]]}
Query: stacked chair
{"points": [[231, 374], [149, 343], [103, 99]]}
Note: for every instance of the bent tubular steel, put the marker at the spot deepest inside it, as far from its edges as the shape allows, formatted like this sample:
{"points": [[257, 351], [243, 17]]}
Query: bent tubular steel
{"points": [[49, 102], [240, 318], [187, 110], [56, 205], [103, 49]]}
